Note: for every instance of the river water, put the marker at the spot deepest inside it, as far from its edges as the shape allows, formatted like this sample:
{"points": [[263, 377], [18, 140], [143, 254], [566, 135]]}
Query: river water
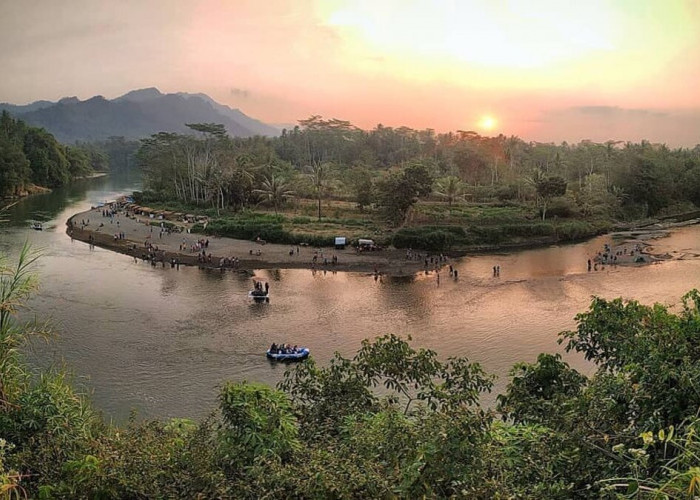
{"points": [[161, 341]]}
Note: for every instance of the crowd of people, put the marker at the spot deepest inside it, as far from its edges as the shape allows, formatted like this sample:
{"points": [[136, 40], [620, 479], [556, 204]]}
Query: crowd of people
{"points": [[259, 289]]}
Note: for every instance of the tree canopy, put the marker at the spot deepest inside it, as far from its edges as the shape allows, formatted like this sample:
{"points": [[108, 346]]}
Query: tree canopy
{"points": [[611, 179], [30, 155]]}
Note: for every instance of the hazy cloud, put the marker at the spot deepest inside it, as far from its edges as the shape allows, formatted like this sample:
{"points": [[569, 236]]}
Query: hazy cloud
{"points": [[602, 123], [616, 110], [243, 93]]}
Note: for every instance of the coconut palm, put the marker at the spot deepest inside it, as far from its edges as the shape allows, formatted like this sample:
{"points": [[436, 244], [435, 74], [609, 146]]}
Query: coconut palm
{"points": [[451, 188], [319, 174], [275, 190]]}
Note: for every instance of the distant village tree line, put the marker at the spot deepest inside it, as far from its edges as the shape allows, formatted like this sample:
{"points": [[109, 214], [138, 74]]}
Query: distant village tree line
{"points": [[385, 169], [390, 168]]}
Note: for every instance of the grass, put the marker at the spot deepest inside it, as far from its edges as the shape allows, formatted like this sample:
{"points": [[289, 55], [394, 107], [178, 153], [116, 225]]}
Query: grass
{"points": [[431, 226]]}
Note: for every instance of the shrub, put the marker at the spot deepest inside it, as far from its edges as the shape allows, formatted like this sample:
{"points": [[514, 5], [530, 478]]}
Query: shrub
{"points": [[428, 238], [578, 229], [562, 207]]}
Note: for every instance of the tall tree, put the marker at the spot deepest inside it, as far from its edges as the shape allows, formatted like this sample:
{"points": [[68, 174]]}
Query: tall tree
{"points": [[319, 175]]}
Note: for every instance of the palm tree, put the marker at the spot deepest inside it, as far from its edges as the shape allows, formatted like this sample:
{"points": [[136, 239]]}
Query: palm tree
{"points": [[319, 175], [450, 188], [275, 190]]}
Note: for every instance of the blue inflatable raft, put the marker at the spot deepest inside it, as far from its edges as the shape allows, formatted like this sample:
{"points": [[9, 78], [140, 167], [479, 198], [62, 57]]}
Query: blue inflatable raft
{"points": [[301, 353]]}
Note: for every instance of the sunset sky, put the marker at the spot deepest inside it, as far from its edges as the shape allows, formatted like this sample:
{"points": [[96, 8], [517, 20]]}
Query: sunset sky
{"points": [[543, 70]]}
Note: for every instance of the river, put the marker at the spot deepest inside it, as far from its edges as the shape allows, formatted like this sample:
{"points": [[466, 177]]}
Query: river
{"points": [[161, 340]]}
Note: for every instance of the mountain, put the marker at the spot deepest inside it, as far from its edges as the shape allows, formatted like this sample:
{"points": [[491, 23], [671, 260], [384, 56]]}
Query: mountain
{"points": [[236, 115], [15, 109], [134, 115]]}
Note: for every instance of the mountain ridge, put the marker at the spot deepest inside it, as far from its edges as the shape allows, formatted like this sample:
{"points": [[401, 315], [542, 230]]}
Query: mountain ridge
{"points": [[136, 114]]}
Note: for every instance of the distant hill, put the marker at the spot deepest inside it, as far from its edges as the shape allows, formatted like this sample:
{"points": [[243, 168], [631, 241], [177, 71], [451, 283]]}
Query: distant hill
{"points": [[134, 115]]}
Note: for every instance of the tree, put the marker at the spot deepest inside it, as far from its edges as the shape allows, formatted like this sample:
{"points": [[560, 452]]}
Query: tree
{"points": [[14, 167], [78, 161], [541, 392], [649, 350], [450, 188], [548, 187], [419, 175], [399, 191], [46, 157], [275, 190], [362, 186], [258, 422], [395, 197], [319, 175]]}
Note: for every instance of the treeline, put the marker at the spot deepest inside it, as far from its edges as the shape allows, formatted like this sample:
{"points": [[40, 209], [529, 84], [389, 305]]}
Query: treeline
{"points": [[628, 431], [118, 153], [390, 168], [30, 155]]}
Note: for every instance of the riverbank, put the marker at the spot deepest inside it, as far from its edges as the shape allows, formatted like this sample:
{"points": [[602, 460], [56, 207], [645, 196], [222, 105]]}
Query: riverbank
{"points": [[142, 237], [34, 189], [139, 235]]}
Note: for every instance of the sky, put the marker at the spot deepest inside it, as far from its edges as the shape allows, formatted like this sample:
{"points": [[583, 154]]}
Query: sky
{"points": [[544, 70]]}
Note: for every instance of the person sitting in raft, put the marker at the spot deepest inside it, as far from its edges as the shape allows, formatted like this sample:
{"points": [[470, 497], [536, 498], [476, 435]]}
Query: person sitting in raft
{"points": [[273, 348]]}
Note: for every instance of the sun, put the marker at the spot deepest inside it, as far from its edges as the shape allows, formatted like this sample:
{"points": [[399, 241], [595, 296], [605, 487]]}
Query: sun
{"points": [[487, 123]]}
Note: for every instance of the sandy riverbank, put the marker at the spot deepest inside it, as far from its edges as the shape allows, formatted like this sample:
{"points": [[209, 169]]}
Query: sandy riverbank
{"points": [[138, 233], [634, 247]]}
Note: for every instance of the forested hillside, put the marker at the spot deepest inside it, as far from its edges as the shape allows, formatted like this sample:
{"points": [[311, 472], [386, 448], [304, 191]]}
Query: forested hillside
{"points": [[134, 115], [32, 156]]}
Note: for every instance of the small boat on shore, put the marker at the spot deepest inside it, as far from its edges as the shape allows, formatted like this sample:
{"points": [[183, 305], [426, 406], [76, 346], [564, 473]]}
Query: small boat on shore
{"points": [[299, 354], [37, 226]]}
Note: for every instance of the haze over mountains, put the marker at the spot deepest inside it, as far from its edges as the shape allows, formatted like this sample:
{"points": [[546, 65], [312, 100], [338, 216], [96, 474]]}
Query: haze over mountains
{"points": [[134, 115]]}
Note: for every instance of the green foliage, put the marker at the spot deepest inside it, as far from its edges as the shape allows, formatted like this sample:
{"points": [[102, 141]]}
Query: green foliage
{"points": [[32, 155], [547, 188], [653, 348], [399, 191], [431, 238], [541, 391], [325, 395], [608, 179], [257, 424], [16, 284]]}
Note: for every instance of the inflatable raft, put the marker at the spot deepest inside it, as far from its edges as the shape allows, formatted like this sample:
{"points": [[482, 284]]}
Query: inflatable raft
{"points": [[301, 353]]}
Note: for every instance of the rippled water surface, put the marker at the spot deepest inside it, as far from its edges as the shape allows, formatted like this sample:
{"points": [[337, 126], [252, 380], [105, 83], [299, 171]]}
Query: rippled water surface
{"points": [[162, 340]]}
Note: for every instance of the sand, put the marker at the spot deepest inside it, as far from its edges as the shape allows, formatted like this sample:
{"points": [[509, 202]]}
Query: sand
{"points": [[630, 247], [139, 232]]}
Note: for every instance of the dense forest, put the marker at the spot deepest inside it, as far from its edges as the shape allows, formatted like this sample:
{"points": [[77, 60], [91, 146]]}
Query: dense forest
{"points": [[31, 156], [628, 431], [391, 168]]}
